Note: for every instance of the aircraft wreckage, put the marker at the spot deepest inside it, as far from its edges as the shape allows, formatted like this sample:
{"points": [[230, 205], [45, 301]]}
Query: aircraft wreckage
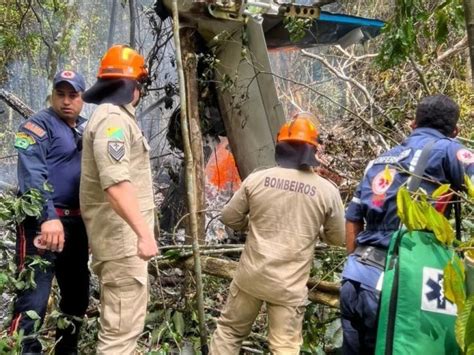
{"points": [[240, 34]]}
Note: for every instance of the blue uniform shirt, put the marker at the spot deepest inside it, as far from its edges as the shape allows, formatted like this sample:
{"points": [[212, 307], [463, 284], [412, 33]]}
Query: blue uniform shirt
{"points": [[374, 201], [49, 153]]}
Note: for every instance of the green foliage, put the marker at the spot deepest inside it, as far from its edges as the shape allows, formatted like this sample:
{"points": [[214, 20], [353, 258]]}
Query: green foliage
{"points": [[469, 186], [166, 327], [453, 283], [417, 213], [465, 326], [321, 330], [297, 27], [11, 345], [13, 209], [416, 26]]}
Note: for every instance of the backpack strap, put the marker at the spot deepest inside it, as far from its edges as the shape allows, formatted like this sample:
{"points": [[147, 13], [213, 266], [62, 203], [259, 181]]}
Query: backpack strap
{"points": [[415, 180]]}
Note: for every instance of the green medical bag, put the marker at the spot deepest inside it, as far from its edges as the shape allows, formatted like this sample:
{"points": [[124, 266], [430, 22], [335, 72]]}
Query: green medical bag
{"points": [[414, 316]]}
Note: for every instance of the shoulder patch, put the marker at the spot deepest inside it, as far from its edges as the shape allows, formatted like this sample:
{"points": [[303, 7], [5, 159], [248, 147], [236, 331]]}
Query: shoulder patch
{"points": [[465, 156], [34, 128], [116, 149], [383, 180], [23, 140], [114, 133]]}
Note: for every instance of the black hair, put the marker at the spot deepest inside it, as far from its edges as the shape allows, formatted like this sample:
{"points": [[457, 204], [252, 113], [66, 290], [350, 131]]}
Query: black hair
{"points": [[439, 112]]}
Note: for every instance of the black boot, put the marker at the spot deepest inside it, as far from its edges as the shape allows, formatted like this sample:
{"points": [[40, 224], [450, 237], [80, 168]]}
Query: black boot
{"points": [[67, 338]]}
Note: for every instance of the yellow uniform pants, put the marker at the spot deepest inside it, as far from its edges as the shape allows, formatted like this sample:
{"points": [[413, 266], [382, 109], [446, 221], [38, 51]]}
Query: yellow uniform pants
{"points": [[235, 323], [123, 302]]}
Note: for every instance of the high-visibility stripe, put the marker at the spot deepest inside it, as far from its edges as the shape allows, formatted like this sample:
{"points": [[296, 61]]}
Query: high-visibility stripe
{"points": [[356, 200], [413, 163], [21, 264], [15, 324]]}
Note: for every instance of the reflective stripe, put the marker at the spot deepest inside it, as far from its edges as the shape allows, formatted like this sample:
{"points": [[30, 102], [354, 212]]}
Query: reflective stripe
{"points": [[356, 200], [14, 325], [21, 264], [413, 163], [371, 163]]}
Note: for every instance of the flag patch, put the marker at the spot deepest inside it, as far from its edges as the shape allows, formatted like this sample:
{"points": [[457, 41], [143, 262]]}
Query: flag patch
{"points": [[115, 133], [116, 149], [23, 140]]}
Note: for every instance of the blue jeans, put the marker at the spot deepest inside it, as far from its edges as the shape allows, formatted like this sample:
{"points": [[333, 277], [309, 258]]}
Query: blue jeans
{"points": [[359, 312], [72, 275]]}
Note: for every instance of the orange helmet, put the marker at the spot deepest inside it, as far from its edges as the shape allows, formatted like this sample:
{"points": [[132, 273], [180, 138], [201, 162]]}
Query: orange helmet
{"points": [[299, 129], [121, 61]]}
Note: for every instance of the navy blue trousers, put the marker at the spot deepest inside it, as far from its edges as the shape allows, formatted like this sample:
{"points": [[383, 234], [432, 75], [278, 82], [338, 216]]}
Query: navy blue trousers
{"points": [[359, 312], [72, 274]]}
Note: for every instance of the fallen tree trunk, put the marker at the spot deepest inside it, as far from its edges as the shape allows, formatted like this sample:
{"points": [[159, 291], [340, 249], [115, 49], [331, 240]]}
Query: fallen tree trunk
{"points": [[16, 104], [323, 292]]}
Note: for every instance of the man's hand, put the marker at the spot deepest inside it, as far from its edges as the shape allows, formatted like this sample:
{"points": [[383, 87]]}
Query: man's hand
{"points": [[52, 235], [147, 247]]}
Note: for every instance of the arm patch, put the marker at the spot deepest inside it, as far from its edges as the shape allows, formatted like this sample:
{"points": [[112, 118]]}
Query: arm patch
{"points": [[465, 156], [35, 129], [23, 140]]}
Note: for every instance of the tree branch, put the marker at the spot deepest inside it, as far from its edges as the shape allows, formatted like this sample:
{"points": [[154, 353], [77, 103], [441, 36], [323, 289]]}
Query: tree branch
{"points": [[382, 135], [420, 75], [341, 75], [458, 47]]}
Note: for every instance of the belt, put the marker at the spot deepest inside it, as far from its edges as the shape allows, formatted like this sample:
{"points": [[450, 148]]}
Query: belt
{"points": [[371, 255], [68, 212]]}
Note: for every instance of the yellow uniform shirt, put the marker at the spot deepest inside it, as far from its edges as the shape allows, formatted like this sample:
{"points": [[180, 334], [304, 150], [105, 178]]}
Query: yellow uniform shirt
{"points": [[114, 150]]}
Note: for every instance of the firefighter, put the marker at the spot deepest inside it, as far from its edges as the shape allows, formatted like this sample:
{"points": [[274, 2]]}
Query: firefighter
{"points": [[371, 217], [49, 154], [117, 199], [284, 209]]}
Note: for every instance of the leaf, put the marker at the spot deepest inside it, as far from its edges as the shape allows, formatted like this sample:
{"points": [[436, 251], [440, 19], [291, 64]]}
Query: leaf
{"points": [[3, 281], [29, 210], [470, 349], [63, 322], [442, 30], [178, 322], [417, 216], [20, 285], [469, 186], [32, 315], [458, 263], [440, 226], [441, 190], [48, 187], [464, 328], [453, 286], [470, 254], [403, 203]]}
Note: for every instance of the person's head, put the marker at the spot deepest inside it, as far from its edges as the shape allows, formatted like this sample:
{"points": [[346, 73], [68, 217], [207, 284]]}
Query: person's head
{"points": [[300, 129], [121, 77], [66, 98], [297, 142], [438, 112]]}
